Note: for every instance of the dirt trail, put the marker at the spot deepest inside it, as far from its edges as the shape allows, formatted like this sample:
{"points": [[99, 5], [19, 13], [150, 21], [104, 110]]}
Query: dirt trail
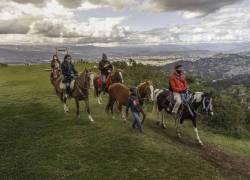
{"points": [[230, 165]]}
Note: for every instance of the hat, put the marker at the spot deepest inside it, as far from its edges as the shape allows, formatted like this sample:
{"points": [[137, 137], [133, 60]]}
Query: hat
{"points": [[177, 66]]}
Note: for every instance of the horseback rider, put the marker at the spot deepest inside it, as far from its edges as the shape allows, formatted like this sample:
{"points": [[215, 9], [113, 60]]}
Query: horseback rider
{"points": [[69, 72], [179, 86], [55, 66], [106, 68]]}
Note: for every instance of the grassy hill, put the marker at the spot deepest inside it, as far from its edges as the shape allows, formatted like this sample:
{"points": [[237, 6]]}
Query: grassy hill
{"points": [[39, 141]]}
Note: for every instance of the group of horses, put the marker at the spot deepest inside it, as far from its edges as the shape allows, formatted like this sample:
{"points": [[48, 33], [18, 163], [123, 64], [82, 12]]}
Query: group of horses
{"points": [[118, 95]]}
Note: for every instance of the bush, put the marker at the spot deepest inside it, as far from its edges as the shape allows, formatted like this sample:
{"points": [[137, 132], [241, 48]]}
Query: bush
{"points": [[229, 116]]}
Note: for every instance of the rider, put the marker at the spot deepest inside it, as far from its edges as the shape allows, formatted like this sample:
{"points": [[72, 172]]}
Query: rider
{"points": [[69, 72], [55, 66], [106, 68], [178, 85]]}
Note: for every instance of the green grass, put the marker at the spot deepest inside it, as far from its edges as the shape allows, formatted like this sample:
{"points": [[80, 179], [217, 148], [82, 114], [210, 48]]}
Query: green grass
{"points": [[39, 141]]}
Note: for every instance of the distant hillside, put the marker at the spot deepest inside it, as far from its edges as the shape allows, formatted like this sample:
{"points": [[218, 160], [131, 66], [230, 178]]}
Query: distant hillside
{"points": [[220, 66]]}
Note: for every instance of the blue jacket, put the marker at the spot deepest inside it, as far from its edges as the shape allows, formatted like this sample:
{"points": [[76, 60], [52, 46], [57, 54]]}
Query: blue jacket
{"points": [[68, 71]]}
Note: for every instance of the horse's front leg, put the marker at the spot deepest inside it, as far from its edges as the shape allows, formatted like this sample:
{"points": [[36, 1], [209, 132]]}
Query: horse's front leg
{"points": [[196, 131], [77, 109], [88, 110], [66, 109]]}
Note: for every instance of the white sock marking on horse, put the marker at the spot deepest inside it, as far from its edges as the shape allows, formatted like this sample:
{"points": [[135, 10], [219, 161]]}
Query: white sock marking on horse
{"points": [[197, 136], [91, 119], [98, 100], [123, 115], [66, 109]]}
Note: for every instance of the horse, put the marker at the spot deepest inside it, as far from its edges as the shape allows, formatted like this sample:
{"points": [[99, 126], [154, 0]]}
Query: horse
{"points": [[79, 92], [115, 77], [119, 93], [164, 104]]}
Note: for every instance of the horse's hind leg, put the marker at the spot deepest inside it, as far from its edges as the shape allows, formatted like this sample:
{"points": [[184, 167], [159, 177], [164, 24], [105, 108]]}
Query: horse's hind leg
{"points": [[77, 109], [163, 119], [196, 131], [88, 110], [179, 126], [122, 112]]}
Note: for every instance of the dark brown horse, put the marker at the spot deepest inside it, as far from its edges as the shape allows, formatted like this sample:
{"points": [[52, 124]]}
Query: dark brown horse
{"points": [[188, 110], [119, 93], [115, 77], [79, 92]]}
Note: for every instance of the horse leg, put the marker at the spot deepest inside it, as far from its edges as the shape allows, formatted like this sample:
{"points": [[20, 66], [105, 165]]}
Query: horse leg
{"points": [[163, 120], [179, 126], [77, 109], [196, 131], [66, 109], [122, 112], [88, 110]]}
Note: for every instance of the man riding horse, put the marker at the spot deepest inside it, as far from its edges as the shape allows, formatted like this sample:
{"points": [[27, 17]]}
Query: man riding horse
{"points": [[178, 85], [106, 69], [69, 73]]}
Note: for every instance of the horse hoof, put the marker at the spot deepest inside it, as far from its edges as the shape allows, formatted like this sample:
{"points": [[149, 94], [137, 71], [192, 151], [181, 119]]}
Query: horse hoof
{"points": [[91, 119], [164, 126], [179, 135], [158, 123], [78, 117], [200, 143], [113, 117]]}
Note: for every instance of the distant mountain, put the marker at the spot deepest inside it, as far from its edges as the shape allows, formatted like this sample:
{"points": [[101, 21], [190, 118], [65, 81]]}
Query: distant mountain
{"points": [[42, 53], [219, 66]]}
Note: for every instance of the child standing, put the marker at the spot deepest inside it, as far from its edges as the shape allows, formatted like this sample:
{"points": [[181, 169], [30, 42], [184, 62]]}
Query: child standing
{"points": [[136, 109]]}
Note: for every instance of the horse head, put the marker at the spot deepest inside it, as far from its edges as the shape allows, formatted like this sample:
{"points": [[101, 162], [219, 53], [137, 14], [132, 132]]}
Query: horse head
{"points": [[146, 90], [117, 76], [205, 100], [207, 103], [85, 78]]}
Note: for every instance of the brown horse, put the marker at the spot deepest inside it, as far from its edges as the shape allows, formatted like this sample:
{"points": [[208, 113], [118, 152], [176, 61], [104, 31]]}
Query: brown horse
{"points": [[115, 77], [79, 92], [119, 93]]}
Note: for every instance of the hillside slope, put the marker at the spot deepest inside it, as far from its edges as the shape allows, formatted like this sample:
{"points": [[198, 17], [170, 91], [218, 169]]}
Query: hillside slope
{"points": [[39, 141]]}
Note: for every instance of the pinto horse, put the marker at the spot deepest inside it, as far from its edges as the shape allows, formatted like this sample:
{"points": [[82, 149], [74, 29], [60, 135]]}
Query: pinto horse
{"points": [[79, 92], [115, 77], [119, 93], [164, 104]]}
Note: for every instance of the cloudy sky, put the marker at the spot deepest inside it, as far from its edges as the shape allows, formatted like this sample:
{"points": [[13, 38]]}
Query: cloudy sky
{"points": [[124, 22]]}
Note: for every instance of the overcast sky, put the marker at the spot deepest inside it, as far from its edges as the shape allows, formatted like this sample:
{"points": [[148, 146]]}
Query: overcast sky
{"points": [[124, 22]]}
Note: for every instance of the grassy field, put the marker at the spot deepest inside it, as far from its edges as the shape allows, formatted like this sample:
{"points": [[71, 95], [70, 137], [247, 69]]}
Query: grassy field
{"points": [[39, 141]]}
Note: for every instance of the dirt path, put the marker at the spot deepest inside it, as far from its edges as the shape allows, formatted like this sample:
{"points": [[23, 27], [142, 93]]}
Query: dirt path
{"points": [[230, 165]]}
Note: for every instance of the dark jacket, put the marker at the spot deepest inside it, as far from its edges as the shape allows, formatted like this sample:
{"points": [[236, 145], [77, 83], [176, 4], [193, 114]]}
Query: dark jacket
{"points": [[68, 71], [134, 104], [105, 67]]}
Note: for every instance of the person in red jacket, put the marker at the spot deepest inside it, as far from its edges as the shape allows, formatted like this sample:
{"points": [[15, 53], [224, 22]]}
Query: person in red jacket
{"points": [[178, 85]]}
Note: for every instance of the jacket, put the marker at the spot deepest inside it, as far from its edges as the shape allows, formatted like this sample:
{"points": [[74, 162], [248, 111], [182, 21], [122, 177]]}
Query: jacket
{"points": [[105, 67], [68, 71], [178, 83]]}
